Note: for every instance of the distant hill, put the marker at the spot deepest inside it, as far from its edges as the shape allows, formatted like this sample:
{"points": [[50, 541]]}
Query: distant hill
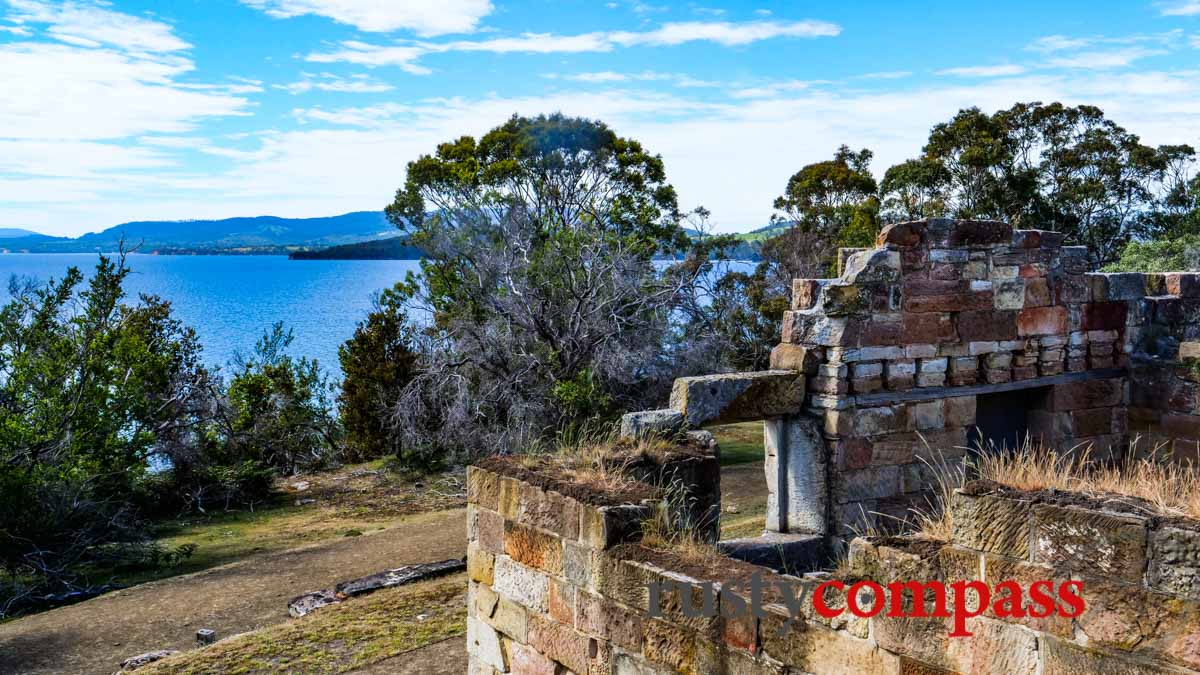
{"points": [[262, 233], [15, 232], [391, 248]]}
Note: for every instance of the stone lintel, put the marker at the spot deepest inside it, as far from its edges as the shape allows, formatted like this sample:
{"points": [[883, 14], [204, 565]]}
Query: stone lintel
{"points": [[738, 397]]}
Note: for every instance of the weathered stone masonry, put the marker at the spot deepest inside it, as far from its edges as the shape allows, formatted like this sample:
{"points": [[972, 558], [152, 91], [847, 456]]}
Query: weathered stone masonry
{"points": [[891, 366], [559, 585], [942, 329]]}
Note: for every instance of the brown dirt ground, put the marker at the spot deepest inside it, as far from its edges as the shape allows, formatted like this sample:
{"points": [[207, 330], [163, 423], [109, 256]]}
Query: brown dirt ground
{"points": [[94, 636]]}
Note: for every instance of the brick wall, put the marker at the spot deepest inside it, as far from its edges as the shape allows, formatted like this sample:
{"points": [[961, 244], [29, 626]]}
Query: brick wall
{"points": [[898, 349], [559, 584]]}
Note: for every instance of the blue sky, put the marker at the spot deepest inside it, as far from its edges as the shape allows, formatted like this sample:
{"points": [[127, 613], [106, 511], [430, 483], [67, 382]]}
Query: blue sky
{"points": [[125, 110]]}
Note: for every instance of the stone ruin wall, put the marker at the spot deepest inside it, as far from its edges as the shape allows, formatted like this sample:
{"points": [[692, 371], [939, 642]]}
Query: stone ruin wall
{"points": [[559, 585], [880, 371], [899, 348]]}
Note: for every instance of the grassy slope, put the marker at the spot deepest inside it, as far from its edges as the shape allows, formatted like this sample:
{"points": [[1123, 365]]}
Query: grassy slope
{"points": [[743, 489], [349, 501], [339, 638]]}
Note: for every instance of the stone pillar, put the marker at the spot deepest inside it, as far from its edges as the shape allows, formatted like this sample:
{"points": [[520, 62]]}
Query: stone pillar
{"points": [[795, 466]]}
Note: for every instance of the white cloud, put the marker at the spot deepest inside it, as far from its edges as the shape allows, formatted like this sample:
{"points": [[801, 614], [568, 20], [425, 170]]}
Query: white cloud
{"points": [[1180, 8], [364, 54], [355, 84], [773, 89], [16, 30], [724, 33], [984, 71], [69, 92], [767, 139], [1101, 59], [91, 25], [887, 75], [608, 77], [425, 17]]}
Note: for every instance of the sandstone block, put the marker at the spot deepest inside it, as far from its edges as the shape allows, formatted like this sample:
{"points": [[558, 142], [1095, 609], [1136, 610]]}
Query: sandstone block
{"points": [[1090, 542], [800, 358], [577, 564], [981, 348], [606, 526], [1037, 293], [804, 293], [920, 351], [1042, 321], [484, 644], [991, 524], [670, 645], [608, 620], [533, 548], [548, 511], [959, 411], [987, 325], [925, 416], [480, 564], [1117, 286], [1089, 394], [1104, 316], [1065, 658], [871, 483], [1184, 285], [995, 647], [928, 327], [660, 423], [521, 584], [526, 660], [738, 396], [483, 487], [931, 379], [562, 644], [901, 235], [879, 420], [1175, 561], [489, 530]]}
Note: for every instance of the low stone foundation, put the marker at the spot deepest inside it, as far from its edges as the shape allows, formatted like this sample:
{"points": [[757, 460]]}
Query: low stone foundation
{"points": [[560, 584]]}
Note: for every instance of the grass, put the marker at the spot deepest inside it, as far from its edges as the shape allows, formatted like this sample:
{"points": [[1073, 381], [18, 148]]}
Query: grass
{"points": [[740, 443], [348, 501], [1172, 488], [338, 638], [1162, 485]]}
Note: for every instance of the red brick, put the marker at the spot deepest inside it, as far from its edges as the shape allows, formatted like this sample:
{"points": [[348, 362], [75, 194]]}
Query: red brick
{"points": [[987, 325], [1104, 315], [1042, 321], [1090, 394], [927, 328], [1094, 422], [953, 302], [1181, 426]]}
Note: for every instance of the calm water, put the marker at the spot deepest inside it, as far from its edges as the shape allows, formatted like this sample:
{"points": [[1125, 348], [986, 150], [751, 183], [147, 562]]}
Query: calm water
{"points": [[231, 300]]}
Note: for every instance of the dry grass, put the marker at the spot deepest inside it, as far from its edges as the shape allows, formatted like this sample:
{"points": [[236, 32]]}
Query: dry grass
{"points": [[593, 457], [1154, 480], [1171, 487], [663, 533]]}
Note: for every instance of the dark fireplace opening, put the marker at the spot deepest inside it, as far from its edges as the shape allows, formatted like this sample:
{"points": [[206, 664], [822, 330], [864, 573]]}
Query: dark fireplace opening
{"points": [[1002, 419]]}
